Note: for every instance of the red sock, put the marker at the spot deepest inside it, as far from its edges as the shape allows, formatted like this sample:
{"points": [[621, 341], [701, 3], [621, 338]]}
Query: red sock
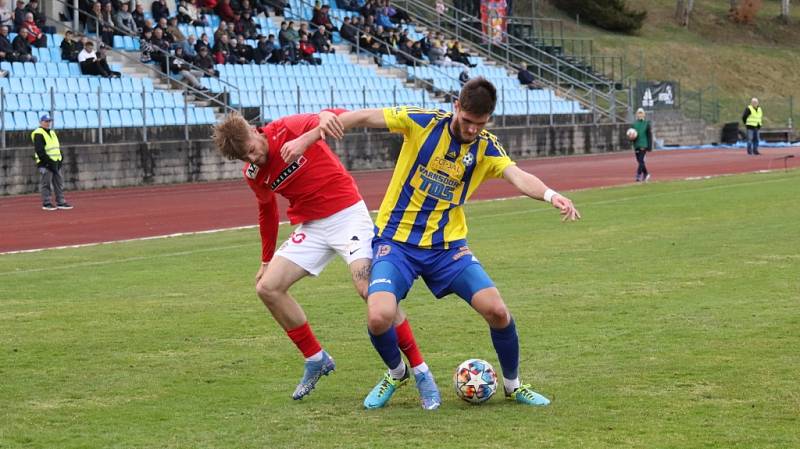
{"points": [[303, 337], [405, 339]]}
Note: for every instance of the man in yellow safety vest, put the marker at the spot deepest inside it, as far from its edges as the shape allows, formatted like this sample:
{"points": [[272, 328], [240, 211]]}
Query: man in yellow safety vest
{"points": [[48, 161], [752, 121]]}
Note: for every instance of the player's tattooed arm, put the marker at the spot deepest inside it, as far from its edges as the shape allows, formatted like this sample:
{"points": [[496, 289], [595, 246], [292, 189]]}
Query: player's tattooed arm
{"points": [[361, 273]]}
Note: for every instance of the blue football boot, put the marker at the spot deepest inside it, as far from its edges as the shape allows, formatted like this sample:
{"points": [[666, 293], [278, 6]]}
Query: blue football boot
{"points": [[428, 392], [524, 395], [311, 375], [381, 393]]}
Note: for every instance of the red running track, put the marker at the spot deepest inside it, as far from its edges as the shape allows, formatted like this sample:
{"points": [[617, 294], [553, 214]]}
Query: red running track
{"points": [[135, 212]]}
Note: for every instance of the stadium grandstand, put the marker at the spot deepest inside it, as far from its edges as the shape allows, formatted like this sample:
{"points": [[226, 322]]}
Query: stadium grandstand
{"points": [[151, 92]]}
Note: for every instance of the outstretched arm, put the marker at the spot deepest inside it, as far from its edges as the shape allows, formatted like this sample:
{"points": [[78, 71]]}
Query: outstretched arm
{"points": [[533, 187], [333, 125]]}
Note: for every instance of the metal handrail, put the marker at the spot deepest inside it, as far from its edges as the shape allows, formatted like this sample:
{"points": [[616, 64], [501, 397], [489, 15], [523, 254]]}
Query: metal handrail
{"points": [[592, 93], [205, 95]]}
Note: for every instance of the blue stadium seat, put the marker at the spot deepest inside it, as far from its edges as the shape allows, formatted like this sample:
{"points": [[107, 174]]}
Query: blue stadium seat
{"points": [[8, 121], [17, 69], [158, 117], [32, 117], [38, 85], [105, 85], [169, 117], [136, 117], [157, 101], [63, 70], [125, 118], [68, 120], [55, 54], [72, 85], [180, 116], [94, 83], [114, 101], [103, 119], [115, 120], [116, 85], [71, 101], [119, 43], [82, 85], [126, 100], [86, 101], [127, 84], [21, 121], [80, 118], [148, 84], [92, 119], [11, 102], [191, 116], [5, 85], [37, 103], [74, 69], [136, 100], [5, 65], [24, 101]]}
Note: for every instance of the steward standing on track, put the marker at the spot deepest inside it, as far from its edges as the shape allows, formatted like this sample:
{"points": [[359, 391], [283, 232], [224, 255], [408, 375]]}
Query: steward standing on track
{"points": [[48, 160], [752, 121]]}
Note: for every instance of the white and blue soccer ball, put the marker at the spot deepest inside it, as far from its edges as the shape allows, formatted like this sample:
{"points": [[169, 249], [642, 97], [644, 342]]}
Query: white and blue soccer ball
{"points": [[475, 381]]}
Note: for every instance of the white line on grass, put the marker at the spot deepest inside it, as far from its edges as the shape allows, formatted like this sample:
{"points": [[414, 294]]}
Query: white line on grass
{"points": [[473, 218]]}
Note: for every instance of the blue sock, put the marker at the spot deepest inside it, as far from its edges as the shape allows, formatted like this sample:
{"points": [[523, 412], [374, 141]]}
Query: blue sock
{"points": [[506, 344], [386, 345]]}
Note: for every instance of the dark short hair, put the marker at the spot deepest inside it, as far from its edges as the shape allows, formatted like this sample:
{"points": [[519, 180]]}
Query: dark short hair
{"points": [[478, 96]]}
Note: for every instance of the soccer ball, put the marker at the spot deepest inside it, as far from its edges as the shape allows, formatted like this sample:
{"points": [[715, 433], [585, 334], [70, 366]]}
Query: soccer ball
{"points": [[475, 381], [632, 134]]}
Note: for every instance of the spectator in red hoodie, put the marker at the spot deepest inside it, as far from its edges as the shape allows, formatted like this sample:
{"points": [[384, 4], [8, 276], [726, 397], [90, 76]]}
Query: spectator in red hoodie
{"points": [[35, 35], [307, 51], [225, 11]]}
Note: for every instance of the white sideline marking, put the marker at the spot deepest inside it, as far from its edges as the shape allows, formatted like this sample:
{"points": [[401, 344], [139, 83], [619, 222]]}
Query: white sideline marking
{"points": [[185, 253]]}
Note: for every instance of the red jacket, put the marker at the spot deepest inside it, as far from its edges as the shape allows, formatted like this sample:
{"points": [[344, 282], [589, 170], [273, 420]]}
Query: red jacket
{"points": [[307, 48], [34, 33]]}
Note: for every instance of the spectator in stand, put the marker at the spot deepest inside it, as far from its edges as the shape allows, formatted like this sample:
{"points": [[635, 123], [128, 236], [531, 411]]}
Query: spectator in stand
{"points": [[22, 47], [35, 36], [244, 7], [266, 52], [438, 56], [203, 42], [369, 9], [396, 14], [179, 66], [371, 45], [368, 24], [6, 49], [405, 55], [6, 16], [160, 10], [94, 23], [189, 53], [457, 54], [416, 51], [288, 36], [246, 26], [463, 77], [138, 16], [527, 79], [259, 7], [224, 10], [146, 46], [92, 63], [39, 18], [322, 18], [160, 48], [222, 49], [70, 47], [205, 62], [19, 14], [189, 13], [425, 42], [221, 29], [348, 31], [307, 51], [321, 40], [382, 19], [177, 35], [124, 20], [243, 50]]}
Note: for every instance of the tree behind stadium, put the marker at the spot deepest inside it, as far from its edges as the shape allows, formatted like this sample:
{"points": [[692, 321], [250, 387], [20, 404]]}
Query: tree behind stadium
{"points": [[612, 15]]}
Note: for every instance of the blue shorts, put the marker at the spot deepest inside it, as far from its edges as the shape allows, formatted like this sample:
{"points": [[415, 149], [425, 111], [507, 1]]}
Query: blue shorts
{"points": [[396, 265]]}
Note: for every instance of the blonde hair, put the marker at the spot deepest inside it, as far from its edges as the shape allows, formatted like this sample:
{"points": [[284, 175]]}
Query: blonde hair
{"points": [[231, 136]]}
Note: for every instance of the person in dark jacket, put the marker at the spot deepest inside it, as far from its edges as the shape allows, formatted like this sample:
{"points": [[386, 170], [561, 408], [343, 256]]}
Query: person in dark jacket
{"points": [[22, 48], [70, 47], [752, 117], [6, 49], [47, 153], [642, 144]]}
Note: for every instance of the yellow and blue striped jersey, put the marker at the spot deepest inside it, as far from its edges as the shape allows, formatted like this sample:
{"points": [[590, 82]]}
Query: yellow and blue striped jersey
{"points": [[433, 177]]}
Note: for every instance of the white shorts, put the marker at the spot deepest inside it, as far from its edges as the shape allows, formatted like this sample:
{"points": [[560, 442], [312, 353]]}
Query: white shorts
{"points": [[313, 244]]}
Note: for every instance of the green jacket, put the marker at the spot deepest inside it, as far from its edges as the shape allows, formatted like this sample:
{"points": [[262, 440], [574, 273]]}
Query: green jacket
{"points": [[644, 138]]}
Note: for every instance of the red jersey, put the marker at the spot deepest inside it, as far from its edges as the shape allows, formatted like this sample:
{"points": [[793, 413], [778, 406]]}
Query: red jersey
{"points": [[316, 185]]}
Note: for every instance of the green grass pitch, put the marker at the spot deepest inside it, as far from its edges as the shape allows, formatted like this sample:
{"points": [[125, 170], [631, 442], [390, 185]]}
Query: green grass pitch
{"points": [[667, 318]]}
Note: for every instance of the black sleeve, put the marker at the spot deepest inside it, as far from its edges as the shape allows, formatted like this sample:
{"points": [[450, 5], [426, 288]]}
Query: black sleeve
{"points": [[745, 115], [38, 145], [649, 132]]}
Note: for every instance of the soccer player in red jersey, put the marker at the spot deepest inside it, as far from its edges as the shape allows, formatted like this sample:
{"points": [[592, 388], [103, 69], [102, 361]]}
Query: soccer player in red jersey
{"points": [[331, 219]]}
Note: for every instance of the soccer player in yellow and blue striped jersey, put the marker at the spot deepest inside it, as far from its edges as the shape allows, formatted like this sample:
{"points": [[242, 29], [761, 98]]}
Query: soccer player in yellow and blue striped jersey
{"points": [[421, 229]]}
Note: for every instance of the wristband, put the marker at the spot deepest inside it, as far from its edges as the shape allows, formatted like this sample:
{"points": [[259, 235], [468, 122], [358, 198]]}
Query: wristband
{"points": [[549, 194]]}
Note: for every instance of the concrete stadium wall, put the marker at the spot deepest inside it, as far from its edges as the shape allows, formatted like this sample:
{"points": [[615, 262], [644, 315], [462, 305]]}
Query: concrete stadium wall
{"points": [[165, 162]]}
